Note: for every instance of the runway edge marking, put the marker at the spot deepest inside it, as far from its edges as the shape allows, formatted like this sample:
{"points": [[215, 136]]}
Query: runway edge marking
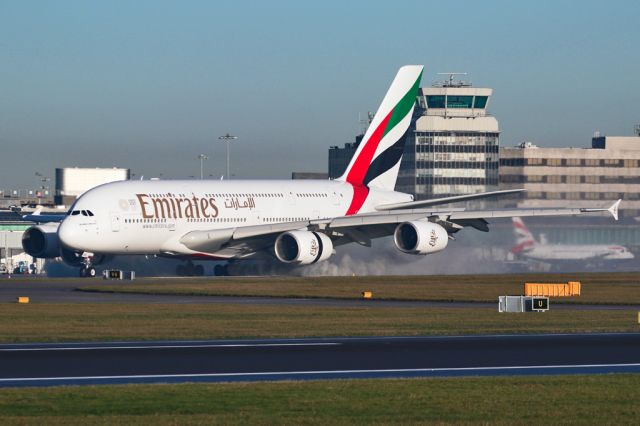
{"points": [[321, 372]]}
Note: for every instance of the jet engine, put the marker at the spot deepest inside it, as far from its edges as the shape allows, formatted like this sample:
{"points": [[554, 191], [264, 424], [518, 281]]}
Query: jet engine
{"points": [[303, 247], [42, 241], [420, 237]]}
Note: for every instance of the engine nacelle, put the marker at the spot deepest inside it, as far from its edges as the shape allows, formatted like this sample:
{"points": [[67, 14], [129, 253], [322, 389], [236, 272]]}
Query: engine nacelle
{"points": [[303, 247], [420, 237], [42, 241]]}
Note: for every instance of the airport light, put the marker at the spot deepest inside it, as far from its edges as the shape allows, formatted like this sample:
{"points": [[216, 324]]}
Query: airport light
{"points": [[202, 157], [228, 138]]}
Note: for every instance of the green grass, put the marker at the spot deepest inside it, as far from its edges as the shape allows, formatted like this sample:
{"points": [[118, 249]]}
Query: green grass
{"points": [[597, 399], [601, 288], [51, 322]]}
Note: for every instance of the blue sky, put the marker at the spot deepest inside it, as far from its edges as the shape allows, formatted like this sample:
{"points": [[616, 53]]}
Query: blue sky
{"points": [[151, 84]]}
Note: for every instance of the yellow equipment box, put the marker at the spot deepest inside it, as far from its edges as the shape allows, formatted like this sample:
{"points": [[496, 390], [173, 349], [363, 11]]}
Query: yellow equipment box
{"points": [[367, 295], [23, 299], [572, 288]]}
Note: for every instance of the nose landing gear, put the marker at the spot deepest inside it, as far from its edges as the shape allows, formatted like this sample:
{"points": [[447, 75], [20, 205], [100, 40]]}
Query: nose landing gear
{"points": [[87, 270]]}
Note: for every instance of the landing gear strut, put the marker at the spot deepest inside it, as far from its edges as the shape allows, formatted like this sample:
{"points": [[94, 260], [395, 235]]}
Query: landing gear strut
{"points": [[189, 270], [86, 270]]}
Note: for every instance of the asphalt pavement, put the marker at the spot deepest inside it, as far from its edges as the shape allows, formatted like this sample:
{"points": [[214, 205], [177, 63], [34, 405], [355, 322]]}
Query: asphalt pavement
{"points": [[306, 359]]}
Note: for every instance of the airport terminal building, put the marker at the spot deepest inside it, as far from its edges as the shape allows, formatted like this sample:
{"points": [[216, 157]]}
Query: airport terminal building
{"points": [[452, 147], [555, 177]]}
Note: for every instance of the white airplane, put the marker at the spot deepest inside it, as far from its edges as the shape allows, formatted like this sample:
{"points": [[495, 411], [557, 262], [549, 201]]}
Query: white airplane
{"points": [[528, 248], [294, 222]]}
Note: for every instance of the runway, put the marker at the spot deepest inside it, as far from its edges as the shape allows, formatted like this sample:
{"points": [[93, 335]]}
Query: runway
{"points": [[308, 359], [65, 291]]}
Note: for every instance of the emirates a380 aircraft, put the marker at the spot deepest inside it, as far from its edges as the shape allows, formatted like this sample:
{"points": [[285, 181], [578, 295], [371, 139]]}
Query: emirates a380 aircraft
{"points": [[295, 222]]}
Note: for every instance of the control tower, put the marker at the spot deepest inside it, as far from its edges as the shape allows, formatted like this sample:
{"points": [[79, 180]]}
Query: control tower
{"points": [[454, 146]]}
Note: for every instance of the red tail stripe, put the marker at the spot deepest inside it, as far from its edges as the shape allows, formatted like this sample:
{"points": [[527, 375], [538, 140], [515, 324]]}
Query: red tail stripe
{"points": [[520, 225], [521, 247], [359, 170]]}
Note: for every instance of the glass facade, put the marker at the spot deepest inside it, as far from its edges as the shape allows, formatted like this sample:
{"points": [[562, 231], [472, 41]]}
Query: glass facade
{"points": [[480, 101], [459, 101], [439, 164], [451, 101]]}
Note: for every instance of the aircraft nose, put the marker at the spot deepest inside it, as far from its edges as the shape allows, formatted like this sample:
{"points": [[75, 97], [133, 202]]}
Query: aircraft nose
{"points": [[68, 234]]}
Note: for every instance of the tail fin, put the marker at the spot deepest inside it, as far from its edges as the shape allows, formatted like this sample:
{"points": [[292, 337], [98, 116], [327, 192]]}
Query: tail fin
{"points": [[377, 159], [524, 238]]}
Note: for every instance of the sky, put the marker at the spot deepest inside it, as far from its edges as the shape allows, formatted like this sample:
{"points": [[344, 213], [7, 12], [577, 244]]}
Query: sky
{"points": [[149, 85]]}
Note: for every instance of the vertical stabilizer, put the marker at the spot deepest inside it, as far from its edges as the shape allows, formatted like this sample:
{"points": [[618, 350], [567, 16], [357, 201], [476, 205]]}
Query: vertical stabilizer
{"points": [[524, 238], [377, 159]]}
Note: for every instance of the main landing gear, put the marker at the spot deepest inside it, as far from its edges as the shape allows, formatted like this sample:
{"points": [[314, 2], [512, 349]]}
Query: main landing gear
{"points": [[221, 270], [189, 270]]}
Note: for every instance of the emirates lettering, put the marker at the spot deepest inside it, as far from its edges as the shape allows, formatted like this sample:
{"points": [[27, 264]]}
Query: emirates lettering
{"points": [[172, 207]]}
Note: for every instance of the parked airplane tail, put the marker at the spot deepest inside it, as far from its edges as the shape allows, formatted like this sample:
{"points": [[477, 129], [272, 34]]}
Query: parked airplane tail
{"points": [[376, 162], [524, 238]]}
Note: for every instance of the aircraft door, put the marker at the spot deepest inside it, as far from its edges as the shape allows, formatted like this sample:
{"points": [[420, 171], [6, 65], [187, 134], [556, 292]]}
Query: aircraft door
{"points": [[115, 222], [335, 198]]}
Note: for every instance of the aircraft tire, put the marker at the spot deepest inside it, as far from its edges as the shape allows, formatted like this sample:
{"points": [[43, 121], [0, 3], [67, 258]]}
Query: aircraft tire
{"points": [[218, 270], [198, 270], [180, 270]]}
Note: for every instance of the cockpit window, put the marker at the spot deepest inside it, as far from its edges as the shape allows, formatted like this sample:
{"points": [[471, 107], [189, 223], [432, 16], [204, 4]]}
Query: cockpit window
{"points": [[89, 211], [84, 213], [75, 213]]}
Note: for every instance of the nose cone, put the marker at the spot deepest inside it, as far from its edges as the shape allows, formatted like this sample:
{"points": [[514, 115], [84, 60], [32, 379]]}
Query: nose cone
{"points": [[69, 235]]}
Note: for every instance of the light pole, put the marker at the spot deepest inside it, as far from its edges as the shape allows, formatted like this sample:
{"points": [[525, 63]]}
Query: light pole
{"points": [[202, 157], [228, 138]]}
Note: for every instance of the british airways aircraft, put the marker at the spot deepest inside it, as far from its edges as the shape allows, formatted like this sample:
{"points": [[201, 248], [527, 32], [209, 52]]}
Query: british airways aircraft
{"points": [[294, 222], [528, 248]]}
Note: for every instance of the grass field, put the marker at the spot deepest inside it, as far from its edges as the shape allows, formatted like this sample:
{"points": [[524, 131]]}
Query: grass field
{"points": [[50, 322], [602, 288], [600, 399]]}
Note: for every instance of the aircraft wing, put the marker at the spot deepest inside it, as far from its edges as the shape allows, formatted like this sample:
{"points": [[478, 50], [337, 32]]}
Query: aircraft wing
{"points": [[446, 200], [360, 228]]}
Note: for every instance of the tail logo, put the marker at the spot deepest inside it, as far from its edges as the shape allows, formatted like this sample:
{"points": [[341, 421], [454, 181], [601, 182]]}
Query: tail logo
{"points": [[381, 148]]}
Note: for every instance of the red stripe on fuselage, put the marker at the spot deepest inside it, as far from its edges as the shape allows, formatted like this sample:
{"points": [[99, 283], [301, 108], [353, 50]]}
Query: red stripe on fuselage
{"points": [[360, 193]]}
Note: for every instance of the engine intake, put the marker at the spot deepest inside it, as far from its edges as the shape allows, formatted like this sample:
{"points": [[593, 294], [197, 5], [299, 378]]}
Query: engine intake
{"points": [[303, 247], [42, 241], [420, 237]]}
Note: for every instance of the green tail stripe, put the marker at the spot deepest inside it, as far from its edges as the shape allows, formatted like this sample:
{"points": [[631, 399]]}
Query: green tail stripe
{"points": [[404, 106]]}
